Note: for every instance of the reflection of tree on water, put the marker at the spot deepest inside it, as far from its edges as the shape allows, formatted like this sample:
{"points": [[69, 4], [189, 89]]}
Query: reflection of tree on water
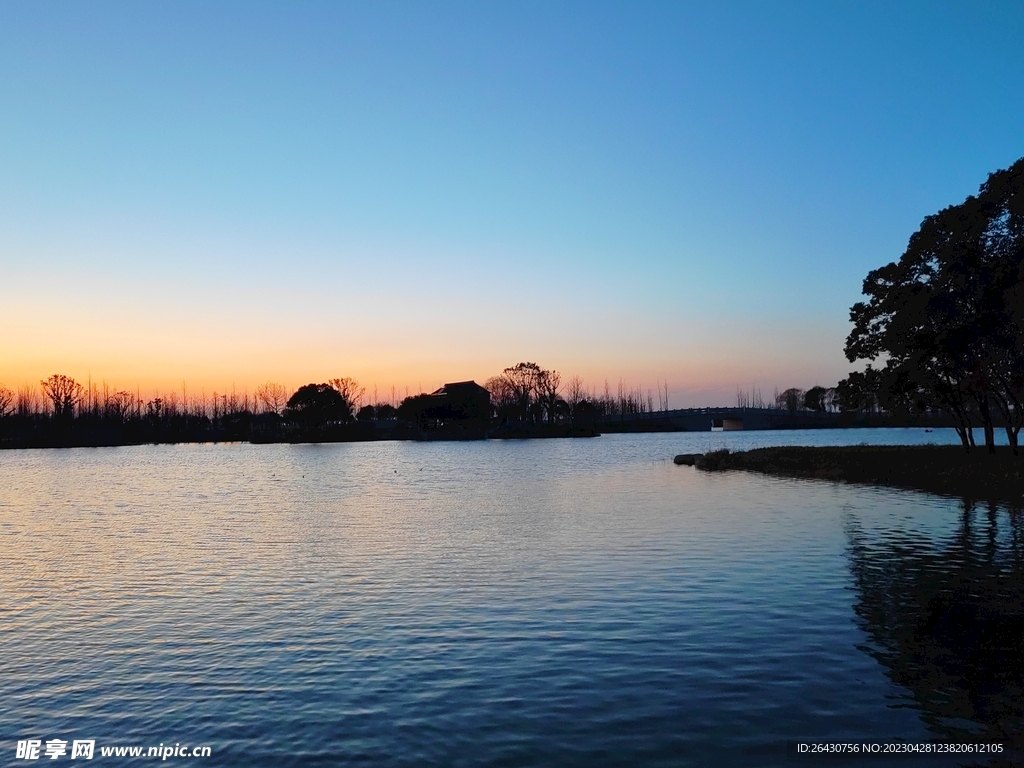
{"points": [[947, 620]]}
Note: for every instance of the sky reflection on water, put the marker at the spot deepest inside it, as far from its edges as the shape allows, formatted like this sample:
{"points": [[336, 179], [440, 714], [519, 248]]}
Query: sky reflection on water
{"points": [[560, 602]]}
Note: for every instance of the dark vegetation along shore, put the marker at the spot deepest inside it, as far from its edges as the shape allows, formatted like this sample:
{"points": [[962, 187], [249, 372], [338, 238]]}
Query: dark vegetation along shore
{"points": [[524, 401], [947, 470]]}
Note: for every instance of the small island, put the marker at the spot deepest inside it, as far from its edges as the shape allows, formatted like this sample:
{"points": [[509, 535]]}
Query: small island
{"points": [[947, 470]]}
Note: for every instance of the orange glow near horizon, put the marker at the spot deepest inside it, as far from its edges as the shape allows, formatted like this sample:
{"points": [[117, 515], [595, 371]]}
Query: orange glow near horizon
{"points": [[151, 344], [707, 377]]}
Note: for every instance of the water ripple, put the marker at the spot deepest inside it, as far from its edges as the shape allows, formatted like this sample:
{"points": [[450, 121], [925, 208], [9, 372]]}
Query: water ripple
{"points": [[561, 602]]}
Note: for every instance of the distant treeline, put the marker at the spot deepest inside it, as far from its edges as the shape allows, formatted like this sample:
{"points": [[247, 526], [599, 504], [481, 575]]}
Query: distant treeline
{"points": [[859, 393], [523, 399], [817, 398], [873, 398]]}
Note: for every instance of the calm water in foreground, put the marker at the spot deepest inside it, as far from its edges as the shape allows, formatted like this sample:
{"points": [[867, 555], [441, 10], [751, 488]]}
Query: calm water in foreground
{"points": [[546, 602]]}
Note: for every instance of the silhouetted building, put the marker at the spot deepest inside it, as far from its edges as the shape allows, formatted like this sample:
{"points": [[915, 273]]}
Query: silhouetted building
{"points": [[462, 401]]}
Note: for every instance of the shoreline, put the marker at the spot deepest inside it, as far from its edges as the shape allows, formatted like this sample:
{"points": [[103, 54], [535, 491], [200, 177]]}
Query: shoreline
{"points": [[944, 470], [348, 433], [44, 435]]}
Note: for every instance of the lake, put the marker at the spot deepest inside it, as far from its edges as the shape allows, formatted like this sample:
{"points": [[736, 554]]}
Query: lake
{"points": [[542, 602]]}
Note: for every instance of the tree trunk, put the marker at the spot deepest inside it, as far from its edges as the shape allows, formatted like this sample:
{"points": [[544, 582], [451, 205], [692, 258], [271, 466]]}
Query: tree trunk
{"points": [[1011, 437], [986, 423]]}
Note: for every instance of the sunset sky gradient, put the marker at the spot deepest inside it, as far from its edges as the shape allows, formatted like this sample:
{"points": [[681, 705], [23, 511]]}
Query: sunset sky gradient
{"points": [[412, 193]]}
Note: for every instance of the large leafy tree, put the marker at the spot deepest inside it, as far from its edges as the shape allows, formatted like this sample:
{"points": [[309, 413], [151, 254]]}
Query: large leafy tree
{"points": [[1002, 201], [314, 406], [947, 318]]}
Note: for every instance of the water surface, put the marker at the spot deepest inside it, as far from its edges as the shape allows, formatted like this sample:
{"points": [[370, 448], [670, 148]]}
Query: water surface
{"points": [[546, 602]]}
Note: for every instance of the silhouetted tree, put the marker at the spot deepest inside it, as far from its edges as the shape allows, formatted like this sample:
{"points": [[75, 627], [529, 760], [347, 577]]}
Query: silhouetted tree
{"points": [[502, 397], [350, 392], [1002, 201], [525, 392], [791, 399], [522, 381], [367, 413], [63, 393], [314, 406], [386, 411], [814, 399], [547, 385], [947, 316], [574, 393], [119, 406], [859, 391], [421, 410], [272, 397], [6, 399], [586, 413], [154, 408]]}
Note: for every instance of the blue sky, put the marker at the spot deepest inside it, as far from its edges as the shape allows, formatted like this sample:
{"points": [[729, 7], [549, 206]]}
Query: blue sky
{"points": [[410, 193]]}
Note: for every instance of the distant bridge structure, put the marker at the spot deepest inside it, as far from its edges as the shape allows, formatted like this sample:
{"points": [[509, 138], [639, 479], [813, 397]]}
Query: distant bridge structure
{"points": [[717, 419]]}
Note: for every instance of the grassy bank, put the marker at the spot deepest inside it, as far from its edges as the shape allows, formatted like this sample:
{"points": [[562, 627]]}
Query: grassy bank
{"points": [[946, 470]]}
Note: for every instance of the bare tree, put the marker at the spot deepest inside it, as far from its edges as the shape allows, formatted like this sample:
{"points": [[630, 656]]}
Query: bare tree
{"points": [[272, 396], [500, 388], [547, 385], [350, 390], [522, 380], [27, 401], [155, 408], [232, 402], [64, 393], [742, 398], [574, 392], [758, 400], [6, 398], [120, 405], [662, 398]]}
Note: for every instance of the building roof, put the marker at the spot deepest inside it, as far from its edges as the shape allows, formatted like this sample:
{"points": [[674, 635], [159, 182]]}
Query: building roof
{"points": [[455, 386]]}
